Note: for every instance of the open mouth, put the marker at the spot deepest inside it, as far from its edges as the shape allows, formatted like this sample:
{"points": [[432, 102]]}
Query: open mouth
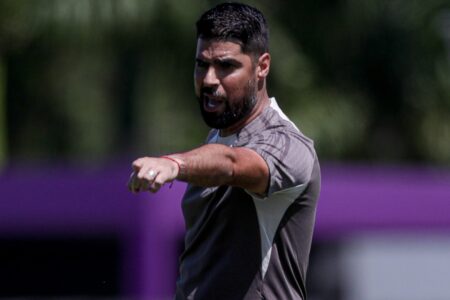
{"points": [[212, 104]]}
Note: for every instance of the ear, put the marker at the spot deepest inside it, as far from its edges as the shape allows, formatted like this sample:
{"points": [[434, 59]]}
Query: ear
{"points": [[263, 67]]}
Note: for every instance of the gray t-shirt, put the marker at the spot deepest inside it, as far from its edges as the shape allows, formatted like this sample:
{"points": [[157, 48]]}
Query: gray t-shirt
{"points": [[239, 245]]}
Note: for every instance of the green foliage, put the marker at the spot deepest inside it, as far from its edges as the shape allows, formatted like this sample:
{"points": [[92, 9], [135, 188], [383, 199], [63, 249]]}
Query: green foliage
{"points": [[91, 81]]}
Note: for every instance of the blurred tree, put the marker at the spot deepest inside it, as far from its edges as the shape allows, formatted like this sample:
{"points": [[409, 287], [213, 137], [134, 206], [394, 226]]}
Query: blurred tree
{"points": [[375, 64], [91, 81], [104, 74]]}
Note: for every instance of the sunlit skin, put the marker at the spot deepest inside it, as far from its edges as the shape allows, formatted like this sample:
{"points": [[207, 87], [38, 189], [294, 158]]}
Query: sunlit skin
{"points": [[223, 74], [222, 68]]}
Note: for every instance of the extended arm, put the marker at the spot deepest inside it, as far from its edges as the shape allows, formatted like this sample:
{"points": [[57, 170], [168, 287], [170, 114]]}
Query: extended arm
{"points": [[208, 165]]}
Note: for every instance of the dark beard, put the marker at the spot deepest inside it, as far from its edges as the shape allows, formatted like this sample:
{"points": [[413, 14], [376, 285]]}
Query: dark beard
{"points": [[231, 114]]}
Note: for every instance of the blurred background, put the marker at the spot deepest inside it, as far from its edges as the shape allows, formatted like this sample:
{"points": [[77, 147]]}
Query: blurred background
{"points": [[86, 86]]}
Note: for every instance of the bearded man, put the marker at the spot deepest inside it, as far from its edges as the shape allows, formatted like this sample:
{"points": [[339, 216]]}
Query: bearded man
{"points": [[252, 192]]}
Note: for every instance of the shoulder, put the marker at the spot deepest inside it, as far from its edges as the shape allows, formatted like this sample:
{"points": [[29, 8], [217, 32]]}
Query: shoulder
{"points": [[273, 130], [289, 154]]}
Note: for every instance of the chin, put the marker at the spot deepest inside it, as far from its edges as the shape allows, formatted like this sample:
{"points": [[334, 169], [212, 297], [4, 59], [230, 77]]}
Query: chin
{"points": [[214, 121]]}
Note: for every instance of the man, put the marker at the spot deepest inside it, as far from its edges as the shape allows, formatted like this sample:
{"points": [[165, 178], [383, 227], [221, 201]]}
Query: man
{"points": [[250, 204]]}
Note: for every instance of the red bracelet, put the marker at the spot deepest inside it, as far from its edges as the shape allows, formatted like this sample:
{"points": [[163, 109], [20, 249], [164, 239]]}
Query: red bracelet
{"points": [[182, 174], [170, 158], [175, 161], [178, 164]]}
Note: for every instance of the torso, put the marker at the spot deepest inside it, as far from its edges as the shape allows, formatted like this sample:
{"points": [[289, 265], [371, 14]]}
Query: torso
{"points": [[237, 244]]}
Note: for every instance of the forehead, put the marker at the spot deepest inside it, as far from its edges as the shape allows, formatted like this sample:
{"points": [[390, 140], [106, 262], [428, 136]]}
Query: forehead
{"points": [[217, 49]]}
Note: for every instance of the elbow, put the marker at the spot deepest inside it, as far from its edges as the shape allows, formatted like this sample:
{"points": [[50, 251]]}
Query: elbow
{"points": [[230, 171]]}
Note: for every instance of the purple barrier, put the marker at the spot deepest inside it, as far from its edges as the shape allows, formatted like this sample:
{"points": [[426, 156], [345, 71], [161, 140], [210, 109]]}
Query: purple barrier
{"points": [[161, 232], [59, 201], [66, 202], [382, 198]]}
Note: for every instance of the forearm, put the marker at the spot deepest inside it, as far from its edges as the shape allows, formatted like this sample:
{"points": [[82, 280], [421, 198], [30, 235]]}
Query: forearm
{"points": [[208, 165], [215, 164]]}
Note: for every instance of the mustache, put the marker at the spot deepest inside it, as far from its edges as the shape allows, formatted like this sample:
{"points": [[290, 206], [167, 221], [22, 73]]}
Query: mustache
{"points": [[211, 92]]}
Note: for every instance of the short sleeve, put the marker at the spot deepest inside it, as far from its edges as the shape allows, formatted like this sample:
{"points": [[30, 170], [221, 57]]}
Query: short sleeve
{"points": [[289, 155]]}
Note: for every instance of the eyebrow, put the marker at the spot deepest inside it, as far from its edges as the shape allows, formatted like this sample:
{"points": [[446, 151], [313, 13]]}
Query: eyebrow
{"points": [[222, 61], [225, 59]]}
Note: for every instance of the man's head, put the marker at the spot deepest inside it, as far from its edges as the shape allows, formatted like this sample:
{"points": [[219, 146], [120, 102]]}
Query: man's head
{"points": [[238, 23], [232, 62]]}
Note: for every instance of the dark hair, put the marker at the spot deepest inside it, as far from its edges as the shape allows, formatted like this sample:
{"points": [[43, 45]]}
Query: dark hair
{"points": [[238, 23]]}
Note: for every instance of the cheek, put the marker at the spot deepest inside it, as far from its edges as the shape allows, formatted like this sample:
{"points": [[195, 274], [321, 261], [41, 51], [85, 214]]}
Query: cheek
{"points": [[235, 87]]}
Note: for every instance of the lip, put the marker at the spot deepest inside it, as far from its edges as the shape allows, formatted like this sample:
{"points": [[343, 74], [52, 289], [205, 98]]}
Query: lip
{"points": [[212, 104]]}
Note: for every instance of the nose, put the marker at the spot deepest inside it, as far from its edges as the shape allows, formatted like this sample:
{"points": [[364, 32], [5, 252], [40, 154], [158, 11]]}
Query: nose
{"points": [[210, 78]]}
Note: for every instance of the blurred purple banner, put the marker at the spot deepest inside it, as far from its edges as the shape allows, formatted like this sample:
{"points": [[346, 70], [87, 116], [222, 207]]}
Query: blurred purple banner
{"points": [[72, 202], [360, 198]]}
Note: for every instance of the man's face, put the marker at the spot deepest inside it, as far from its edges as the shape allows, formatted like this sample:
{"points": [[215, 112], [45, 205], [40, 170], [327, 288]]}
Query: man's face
{"points": [[225, 83]]}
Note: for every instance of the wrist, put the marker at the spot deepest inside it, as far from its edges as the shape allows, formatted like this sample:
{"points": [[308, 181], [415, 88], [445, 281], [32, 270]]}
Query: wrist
{"points": [[181, 174]]}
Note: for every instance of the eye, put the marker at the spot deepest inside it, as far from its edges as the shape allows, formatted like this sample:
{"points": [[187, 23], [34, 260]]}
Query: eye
{"points": [[226, 65], [201, 64]]}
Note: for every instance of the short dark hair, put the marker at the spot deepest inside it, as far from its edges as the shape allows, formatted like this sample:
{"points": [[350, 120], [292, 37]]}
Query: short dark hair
{"points": [[235, 22]]}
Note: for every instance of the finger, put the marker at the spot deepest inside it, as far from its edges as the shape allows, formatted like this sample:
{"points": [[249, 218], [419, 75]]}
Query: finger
{"points": [[155, 186], [143, 185], [164, 177], [159, 181], [135, 183], [137, 164], [146, 171], [130, 182], [149, 175], [140, 184]]}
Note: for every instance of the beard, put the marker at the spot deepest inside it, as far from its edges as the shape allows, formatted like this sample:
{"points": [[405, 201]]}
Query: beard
{"points": [[232, 113]]}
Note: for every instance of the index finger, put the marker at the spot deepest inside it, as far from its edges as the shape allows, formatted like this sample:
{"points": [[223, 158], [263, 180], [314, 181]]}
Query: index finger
{"points": [[133, 183]]}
